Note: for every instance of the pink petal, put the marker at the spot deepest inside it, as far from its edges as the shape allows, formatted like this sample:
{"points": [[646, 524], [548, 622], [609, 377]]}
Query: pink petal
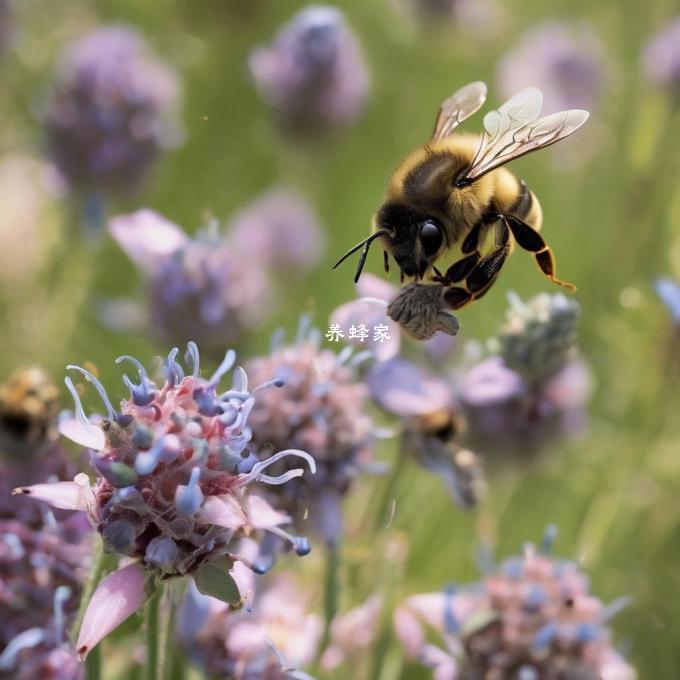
{"points": [[407, 390], [262, 515], [65, 495], [370, 312], [91, 437], [373, 286], [224, 511], [147, 238], [117, 597]]}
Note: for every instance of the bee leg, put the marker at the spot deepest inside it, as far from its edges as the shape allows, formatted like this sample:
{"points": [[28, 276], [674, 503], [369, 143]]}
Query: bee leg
{"points": [[461, 269], [529, 239], [478, 282]]}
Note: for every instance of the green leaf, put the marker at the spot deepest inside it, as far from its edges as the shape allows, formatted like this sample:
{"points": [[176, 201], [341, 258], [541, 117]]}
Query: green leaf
{"points": [[213, 578]]}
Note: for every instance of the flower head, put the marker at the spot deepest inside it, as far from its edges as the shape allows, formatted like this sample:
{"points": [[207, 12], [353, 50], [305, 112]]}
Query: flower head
{"points": [[661, 57], [535, 387], [173, 471], [565, 62], [431, 424], [41, 572], [279, 231], [668, 291], [321, 407], [534, 616], [269, 640], [482, 16], [313, 75], [539, 336], [108, 114], [200, 287]]}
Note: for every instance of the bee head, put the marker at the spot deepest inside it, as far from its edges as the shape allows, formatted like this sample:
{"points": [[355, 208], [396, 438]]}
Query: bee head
{"points": [[415, 240]]}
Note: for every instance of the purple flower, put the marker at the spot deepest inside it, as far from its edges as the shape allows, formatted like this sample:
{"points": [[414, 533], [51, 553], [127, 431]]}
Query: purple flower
{"points": [[321, 407], [661, 57], [535, 388], [41, 571], [108, 114], [480, 16], [278, 231], [532, 617], [431, 424], [200, 287], [566, 62], [172, 488], [313, 76], [268, 640]]}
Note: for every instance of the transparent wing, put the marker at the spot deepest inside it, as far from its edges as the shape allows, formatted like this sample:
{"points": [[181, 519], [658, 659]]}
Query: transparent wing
{"points": [[459, 106], [515, 129]]}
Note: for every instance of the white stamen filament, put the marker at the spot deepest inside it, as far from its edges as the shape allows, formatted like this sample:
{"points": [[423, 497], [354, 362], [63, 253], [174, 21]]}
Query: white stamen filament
{"points": [[227, 363], [80, 413], [111, 412]]}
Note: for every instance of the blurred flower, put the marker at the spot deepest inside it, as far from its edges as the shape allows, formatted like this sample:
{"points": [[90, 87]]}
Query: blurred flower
{"points": [[172, 488], [668, 291], [279, 231], [536, 387], [313, 76], [28, 223], [268, 641], [533, 617], [41, 572], [661, 57], [539, 336], [351, 633], [472, 15], [431, 424], [109, 112], [200, 287], [322, 408], [566, 62]]}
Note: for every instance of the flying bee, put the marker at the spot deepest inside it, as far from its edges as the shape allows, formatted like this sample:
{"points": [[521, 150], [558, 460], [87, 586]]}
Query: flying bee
{"points": [[28, 408], [453, 195]]}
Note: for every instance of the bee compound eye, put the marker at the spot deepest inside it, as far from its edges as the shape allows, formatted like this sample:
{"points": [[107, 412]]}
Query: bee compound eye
{"points": [[431, 237]]}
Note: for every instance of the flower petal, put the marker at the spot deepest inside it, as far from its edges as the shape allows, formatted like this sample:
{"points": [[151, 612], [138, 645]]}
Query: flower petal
{"points": [[64, 495], [117, 597], [261, 515], [370, 285], [90, 437], [370, 312], [147, 238], [407, 390], [224, 511]]}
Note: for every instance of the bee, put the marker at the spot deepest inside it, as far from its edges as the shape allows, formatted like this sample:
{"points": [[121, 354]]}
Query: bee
{"points": [[28, 409], [453, 195]]}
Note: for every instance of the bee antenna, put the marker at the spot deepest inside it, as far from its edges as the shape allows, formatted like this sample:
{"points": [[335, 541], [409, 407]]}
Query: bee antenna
{"points": [[365, 244]]}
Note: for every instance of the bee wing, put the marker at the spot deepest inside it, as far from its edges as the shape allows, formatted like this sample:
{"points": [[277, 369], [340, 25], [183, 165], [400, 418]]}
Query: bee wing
{"points": [[515, 129], [459, 106]]}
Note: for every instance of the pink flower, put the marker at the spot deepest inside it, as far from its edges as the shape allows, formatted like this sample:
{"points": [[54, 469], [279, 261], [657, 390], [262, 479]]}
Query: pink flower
{"points": [[534, 613], [173, 486]]}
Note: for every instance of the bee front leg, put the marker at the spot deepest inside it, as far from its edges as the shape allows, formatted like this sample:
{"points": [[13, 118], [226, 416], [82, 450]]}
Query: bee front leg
{"points": [[529, 239]]}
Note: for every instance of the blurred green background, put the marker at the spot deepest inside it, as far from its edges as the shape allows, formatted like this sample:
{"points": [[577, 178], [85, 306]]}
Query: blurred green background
{"points": [[613, 221]]}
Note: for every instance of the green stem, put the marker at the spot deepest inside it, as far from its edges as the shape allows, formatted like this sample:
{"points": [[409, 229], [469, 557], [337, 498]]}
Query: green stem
{"points": [[331, 591], [93, 579], [93, 664], [153, 634]]}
